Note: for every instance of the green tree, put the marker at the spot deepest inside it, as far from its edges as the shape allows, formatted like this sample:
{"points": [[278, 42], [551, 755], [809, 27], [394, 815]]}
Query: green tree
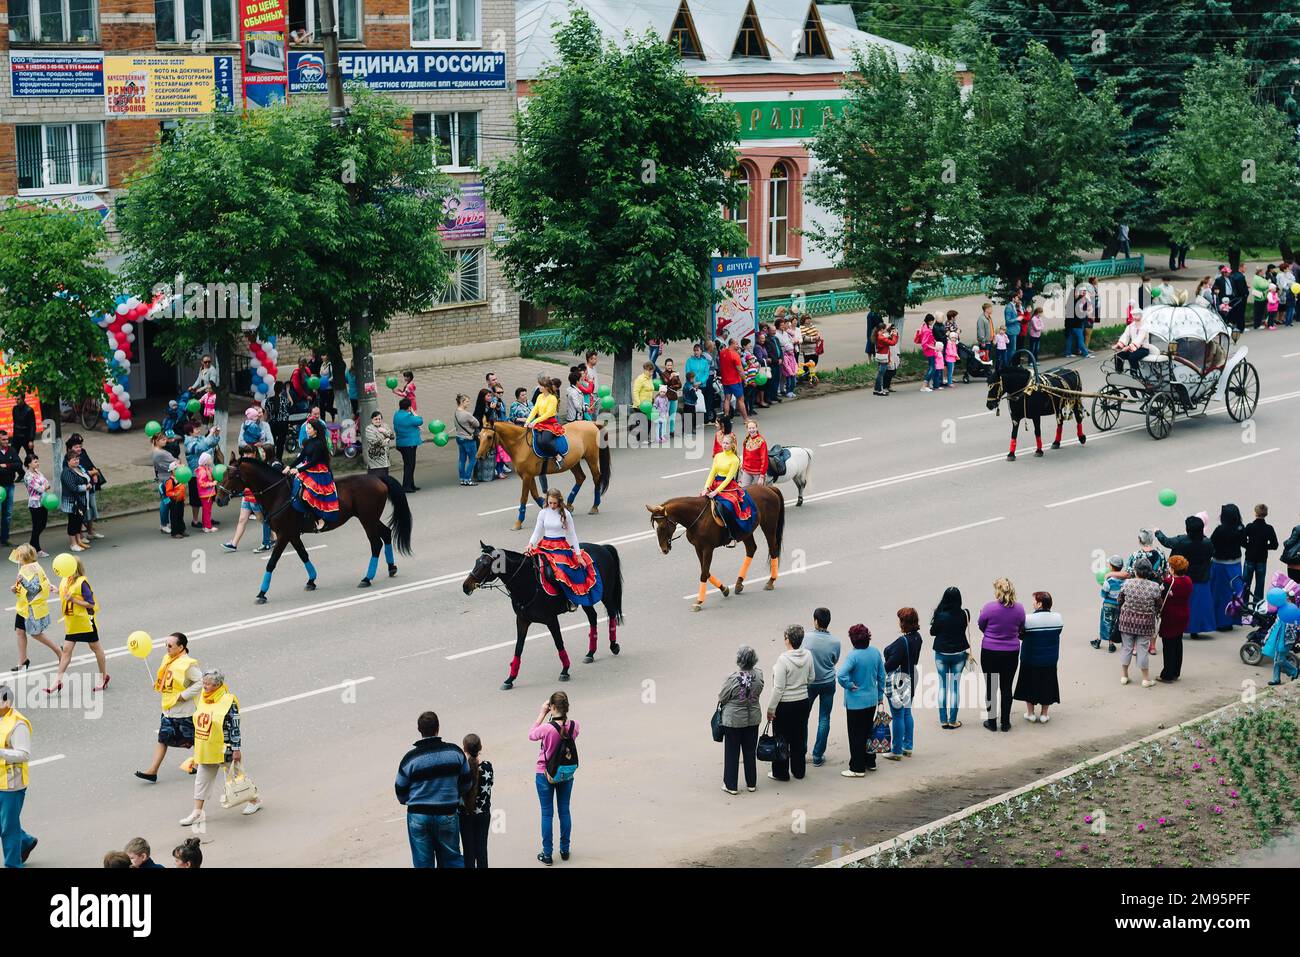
{"points": [[928, 24], [615, 194], [1228, 172], [52, 282], [1049, 162], [323, 226], [895, 166]]}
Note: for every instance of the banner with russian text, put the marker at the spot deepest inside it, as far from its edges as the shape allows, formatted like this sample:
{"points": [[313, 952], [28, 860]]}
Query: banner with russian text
{"points": [[264, 37], [7, 401], [735, 315]]}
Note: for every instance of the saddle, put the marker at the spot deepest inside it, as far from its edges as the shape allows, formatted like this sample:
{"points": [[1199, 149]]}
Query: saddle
{"points": [[777, 457]]}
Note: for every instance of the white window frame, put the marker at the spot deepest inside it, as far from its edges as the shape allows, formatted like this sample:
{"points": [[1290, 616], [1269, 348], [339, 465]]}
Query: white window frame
{"points": [[63, 189], [434, 42], [455, 166], [740, 214], [453, 294], [773, 219], [313, 28], [178, 22], [34, 22]]}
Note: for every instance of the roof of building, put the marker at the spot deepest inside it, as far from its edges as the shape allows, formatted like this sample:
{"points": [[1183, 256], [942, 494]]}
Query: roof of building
{"points": [[717, 23]]}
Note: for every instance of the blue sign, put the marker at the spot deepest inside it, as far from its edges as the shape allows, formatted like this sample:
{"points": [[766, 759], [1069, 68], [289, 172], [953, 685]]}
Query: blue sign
{"points": [[735, 287], [56, 74], [397, 71]]}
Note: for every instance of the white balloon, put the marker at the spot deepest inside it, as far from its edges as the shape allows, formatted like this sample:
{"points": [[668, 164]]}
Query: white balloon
{"points": [[119, 355], [114, 416], [123, 309], [125, 424], [130, 337], [105, 407], [127, 327]]}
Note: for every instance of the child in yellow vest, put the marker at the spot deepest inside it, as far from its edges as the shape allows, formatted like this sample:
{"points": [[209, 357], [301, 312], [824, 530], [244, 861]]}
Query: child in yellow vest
{"points": [[179, 682], [80, 617], [32, 608], [15, 753], [217, 741]]}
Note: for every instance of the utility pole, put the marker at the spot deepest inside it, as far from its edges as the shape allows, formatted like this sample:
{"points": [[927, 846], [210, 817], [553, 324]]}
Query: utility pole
{"points": [[362, 363]]}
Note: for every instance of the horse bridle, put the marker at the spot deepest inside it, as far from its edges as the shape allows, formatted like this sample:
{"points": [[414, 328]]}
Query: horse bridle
{"points": [[663, 516], [504, 582], [280, 481]]}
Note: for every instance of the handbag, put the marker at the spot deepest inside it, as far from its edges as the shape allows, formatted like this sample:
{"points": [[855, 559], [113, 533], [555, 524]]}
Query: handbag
{"points": [[771, 748], [879, 742], [715, 724], [239, 789], [898, 684]]}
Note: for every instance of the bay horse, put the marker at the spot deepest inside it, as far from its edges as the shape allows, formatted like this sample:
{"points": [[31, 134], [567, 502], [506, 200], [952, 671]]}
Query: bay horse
{"points": [[694, 513], [518, 576], [1032, 394], [360, 496], [586, 444]]}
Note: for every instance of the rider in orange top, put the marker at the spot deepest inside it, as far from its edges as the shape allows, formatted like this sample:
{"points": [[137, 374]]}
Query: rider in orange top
{"points": [[753, 461]]}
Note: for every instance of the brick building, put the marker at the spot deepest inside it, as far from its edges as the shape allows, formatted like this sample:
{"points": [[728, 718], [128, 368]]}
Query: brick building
{"points": [[67, 135]]}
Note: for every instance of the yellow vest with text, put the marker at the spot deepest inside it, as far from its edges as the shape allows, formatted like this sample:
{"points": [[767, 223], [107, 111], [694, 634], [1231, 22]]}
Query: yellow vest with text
{"points": [[79, 620], [39, 606], [209, 729], [171, 679], [7, 725]]}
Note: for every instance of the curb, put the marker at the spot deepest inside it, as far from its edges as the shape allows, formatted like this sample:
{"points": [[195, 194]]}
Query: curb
{"points": [[953, 818]]}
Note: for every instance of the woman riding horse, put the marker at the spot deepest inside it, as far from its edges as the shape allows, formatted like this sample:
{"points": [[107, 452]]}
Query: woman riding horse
{"points": [[544, 421], [313, 482], [562, 566], [733, 502]]}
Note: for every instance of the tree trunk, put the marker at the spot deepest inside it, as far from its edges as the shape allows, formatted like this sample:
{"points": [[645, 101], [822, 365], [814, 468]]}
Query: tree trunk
{"points": [[363, 368], [1284, 247], [1234, 257], [221, 419], [56, 448], [334, 352], [623, 378]]}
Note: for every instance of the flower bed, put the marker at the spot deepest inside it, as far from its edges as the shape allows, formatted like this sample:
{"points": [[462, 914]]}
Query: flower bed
{"points": [[1189, 799]]}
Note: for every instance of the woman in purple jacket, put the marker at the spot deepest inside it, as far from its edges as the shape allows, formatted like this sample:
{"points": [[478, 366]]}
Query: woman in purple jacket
{"points": [[1002, 621]]}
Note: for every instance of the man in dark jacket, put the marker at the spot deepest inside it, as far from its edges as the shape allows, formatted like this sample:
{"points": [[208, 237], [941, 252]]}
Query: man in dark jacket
{"points": [[431, 780], [1260, 540], [10, 468], [24, 427]]}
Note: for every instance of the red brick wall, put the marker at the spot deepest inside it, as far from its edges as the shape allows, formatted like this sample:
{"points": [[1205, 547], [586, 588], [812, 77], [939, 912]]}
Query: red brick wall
{"points": [[134, 37], [129, 142], [8, 160]]}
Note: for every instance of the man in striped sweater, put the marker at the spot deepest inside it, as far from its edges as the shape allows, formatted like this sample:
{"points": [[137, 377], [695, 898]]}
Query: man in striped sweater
{"points": [[431, 780]]}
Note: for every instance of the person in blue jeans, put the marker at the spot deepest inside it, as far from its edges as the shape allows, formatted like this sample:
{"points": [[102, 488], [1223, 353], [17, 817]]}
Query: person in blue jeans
{"points": [[900, 658], [825, 650], [432, 778], [15, 752], [948, 628], [1279, 644], [553, 795]]}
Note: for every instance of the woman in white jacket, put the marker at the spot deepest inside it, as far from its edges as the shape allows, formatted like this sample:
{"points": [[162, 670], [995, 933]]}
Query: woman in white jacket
{"points": [[565, 568], [1134, 345], [788, 708]]}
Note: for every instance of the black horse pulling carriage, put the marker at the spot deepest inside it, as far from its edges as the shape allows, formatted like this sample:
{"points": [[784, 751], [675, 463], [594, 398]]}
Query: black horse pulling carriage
{"points": [[1031, 394]]}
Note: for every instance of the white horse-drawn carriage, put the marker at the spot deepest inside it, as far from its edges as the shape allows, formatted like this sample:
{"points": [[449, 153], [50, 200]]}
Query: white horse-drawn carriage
{"points": [[1192, 360]]}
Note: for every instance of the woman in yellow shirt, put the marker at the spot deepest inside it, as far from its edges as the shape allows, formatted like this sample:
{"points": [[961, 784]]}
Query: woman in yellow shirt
{"points": [[734, 503], [548, 433], [80, 616], [32, 609]]}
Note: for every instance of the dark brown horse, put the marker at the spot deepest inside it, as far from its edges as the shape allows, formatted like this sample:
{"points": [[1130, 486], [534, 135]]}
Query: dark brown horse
{"points": [[360, 496], [695, 515]]}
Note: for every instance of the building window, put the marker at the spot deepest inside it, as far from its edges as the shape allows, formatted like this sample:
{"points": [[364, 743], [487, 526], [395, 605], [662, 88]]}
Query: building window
{"points": [[60, 157], [778, 211], [455, 136], [52, 21], [749, 41], [443, 22], [739, 214], [683, 37], [467, 277], [304, 20], [182, 21], [813, 43]]}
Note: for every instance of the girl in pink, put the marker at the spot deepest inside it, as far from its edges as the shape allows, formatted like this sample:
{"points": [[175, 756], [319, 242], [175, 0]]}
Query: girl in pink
{"points": [[407, 390], [1035, 330], [925, 339], [552, 727], [209, 409], [207, 489], [950, 355], [1272, 301]]}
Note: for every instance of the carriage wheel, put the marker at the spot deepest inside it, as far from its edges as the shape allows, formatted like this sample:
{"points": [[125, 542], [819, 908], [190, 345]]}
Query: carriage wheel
{"points": [[1160, 415], [1106, 407], [1241, 394]]}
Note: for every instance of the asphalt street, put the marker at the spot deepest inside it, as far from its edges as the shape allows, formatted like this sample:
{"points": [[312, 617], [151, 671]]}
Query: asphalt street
{"points": [[909, 494]]}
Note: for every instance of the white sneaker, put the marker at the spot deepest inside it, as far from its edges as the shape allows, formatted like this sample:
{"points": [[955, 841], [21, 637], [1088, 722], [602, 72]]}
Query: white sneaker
{"points": [[1044, 718], [194, 817], [846, 773], [97, 535], [252, 808], [77, 548], [1031, 718], [1123, 680], [926, 388], [1148, 684]]}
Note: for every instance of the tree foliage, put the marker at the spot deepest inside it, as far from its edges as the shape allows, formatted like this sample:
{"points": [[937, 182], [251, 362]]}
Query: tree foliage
{"points": [[616, 192], [928, 24]]}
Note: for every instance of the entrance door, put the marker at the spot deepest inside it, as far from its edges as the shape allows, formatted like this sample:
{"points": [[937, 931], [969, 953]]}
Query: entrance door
{"points": [[159, 374]]}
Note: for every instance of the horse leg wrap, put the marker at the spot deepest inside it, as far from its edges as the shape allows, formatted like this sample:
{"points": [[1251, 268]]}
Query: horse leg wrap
{"points": [[774, 563], [1060, 426], [573, 494], [311, 571], [613, 632], [715, 582], [388, 553], [266, 581], [564, 658], [744, 567], [1079, 427], [1013, 446], [1038, 441], [373, 567], [592, 640], [523, 508], [514, 667], [699, 599]]}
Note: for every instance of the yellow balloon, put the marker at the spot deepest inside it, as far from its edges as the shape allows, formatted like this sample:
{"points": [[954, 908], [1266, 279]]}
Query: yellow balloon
{"points": [[1295, 288], [65, 565], [140, 644]]}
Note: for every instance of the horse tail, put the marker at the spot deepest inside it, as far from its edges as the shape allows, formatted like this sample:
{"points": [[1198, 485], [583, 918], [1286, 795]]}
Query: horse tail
{"points": [[603, 458], [613, 596], [399, 523], [774, 546]]}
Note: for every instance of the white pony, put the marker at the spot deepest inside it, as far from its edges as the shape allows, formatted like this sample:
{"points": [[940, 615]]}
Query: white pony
{"points": [[798, 467]]}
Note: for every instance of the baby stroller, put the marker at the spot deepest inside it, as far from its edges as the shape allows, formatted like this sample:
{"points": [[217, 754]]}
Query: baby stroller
{"points": [[973, 363], [1260, 618]]}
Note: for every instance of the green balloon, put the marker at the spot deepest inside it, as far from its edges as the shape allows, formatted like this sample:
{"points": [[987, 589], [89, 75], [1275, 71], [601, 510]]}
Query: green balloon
{"points": [[646, 407], [603, 391], [440, 439], [391, 381], [313, 382], [50, 501], [3, 494], [1101, 577], [658, 383], [607, 402], [152, 428], [1168, 497], [219, 472], [760, 379], [437, 425], [192, 405], [183, 475]]}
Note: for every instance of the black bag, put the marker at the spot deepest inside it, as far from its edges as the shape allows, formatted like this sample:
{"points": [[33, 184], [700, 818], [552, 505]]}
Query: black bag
{"points": [[772, 748], [563, 762], [715, 724]]}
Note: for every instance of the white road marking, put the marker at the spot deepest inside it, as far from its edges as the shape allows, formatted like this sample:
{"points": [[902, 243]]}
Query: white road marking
{"points": [[510, 644], [1291, 355], [946, 531], [974, 415], [1084, 498], [307, 694], [50, 760], [827, 445], [267, 557], [680, 474], [751, 581], [1240, 458], [498, 511]]}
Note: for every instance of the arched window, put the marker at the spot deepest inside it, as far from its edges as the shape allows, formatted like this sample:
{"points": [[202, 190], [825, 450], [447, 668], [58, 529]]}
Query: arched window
{"points": [[778, 211], [739, 214]]}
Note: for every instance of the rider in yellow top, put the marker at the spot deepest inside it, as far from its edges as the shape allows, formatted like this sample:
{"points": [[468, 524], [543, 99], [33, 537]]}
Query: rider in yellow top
{"points": [[734, 504], [544, 421], [725, 468]]}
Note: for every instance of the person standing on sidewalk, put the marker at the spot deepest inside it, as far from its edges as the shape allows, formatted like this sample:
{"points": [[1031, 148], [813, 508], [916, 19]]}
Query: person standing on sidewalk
{"points": [[24, 417], [742, 713], [901, 657], [379, 437], [15, 753], [699, 366], [37, 485], [476, 806], [466, 429], [1001, 622], [163, 462], [557, 760], [825, 650], [179, 681], [863, 676], [406, 426], [1174, 614], [790, 704], [948, 627], [10, 468], [432, 781]]}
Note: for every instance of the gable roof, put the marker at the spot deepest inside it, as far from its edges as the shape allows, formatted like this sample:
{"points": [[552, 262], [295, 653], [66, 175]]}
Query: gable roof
{"points": [[716, 21]]}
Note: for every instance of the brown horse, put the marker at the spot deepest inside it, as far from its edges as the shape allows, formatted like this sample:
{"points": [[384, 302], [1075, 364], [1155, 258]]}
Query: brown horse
{"points": [[695, 514], [586, 444]]}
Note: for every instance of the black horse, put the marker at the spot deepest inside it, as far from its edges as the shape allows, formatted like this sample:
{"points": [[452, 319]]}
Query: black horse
{"points": [[1031, 394], [518, 575]]}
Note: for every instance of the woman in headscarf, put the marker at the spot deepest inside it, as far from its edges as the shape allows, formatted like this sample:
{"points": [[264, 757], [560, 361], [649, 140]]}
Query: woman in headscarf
{"points": [[1198, 550], [1225, 567]]}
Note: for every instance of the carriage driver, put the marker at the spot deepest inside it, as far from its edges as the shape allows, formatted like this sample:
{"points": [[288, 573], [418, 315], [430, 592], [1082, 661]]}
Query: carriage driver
{"points": [[1134, 345]]}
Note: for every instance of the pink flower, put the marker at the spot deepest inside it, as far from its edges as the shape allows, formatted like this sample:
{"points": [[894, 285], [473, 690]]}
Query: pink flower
{"points": [[1162, 821], [1214, 760], [1187, 802], [1222, 781], [1059, 855], [1218, 809], [1142, 828], [1232, 794], [1087, 819], [1196, 766], [1083, 847]]}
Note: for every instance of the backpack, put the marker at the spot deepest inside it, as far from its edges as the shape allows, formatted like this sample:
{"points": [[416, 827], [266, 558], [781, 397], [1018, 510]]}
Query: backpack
{"points": [[563, 762], [250, 434]]}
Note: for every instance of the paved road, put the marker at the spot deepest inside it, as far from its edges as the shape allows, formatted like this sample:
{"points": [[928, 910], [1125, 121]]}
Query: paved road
{"points": [[910, 494]]}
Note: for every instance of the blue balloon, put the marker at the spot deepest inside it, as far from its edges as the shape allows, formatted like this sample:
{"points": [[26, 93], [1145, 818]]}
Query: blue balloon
{"points": [[114, 426], [1289, 613], [1277, 597], [119, 300], [324, 382]]}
